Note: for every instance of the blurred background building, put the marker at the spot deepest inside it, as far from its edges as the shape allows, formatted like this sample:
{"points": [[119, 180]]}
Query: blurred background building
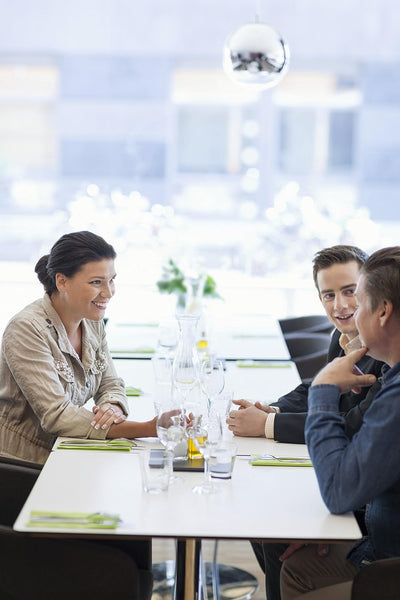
{"points": [[116, 116]]}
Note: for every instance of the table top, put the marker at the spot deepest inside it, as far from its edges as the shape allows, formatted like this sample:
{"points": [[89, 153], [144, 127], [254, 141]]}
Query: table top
{"points": [[271, 503], [239, 338], [259, 502]]}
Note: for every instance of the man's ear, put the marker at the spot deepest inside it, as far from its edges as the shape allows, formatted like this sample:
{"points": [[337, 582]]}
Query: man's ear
{"points": [[385, 311]]}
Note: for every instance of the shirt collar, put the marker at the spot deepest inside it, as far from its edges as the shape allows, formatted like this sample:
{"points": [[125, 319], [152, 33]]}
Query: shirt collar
{"points": [[348, 345]]}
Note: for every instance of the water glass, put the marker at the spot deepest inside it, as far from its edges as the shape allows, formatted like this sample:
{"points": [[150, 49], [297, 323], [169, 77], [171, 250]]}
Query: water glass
{"points": [[155, 479], [222, 460]]}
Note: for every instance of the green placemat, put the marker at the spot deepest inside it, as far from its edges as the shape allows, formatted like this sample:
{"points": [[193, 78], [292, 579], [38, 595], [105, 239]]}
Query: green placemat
{"points": [[138, 350], [74, 520], [283, 461], [133, 391], [262, 365], [85, 444]]}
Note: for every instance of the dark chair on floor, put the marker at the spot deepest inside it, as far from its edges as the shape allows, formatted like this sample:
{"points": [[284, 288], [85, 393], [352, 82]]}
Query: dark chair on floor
{"points": [[48, 568], [309, 351], [17, 478], [306, 324], [380, 579]]}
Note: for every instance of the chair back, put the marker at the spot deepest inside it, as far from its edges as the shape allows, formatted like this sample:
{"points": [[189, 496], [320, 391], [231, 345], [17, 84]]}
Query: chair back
{"points": [[306, 324], [380, 579], [17, 478]]}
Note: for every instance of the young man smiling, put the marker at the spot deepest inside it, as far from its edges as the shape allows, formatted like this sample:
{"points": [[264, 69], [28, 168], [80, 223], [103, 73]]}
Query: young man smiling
{"points": [[335, 273]]}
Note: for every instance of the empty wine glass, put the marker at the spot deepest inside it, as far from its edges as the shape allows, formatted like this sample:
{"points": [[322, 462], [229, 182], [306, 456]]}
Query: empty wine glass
{"points": [[212, 379], [206, 439], [171, 432]]}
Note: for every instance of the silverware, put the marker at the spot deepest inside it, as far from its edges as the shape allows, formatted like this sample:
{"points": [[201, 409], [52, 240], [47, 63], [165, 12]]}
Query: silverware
{"points": [[97, 518]]}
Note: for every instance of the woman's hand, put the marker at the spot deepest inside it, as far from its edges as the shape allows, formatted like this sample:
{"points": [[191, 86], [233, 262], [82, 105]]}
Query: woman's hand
{"points": [[106, 415]]}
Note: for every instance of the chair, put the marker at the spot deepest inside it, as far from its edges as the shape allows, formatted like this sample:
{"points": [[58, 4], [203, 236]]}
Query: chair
{"points": [[17, 478], [309, 351], [306, 324], [48, 568], [380, 579]]}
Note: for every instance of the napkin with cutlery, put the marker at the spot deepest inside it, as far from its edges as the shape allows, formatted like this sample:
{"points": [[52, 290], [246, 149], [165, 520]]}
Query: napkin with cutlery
{"points": [[133, 391], [251, 364], [74, 520], [120, 445], [267, 460]]}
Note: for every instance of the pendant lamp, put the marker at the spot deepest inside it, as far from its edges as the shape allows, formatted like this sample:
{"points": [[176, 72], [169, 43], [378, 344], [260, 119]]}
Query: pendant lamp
{"points": [[255, 55]]}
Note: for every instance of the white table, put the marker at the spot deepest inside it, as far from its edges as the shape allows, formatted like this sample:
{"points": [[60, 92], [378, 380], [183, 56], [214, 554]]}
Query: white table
{"points": [[90, 481], [239, 338]]}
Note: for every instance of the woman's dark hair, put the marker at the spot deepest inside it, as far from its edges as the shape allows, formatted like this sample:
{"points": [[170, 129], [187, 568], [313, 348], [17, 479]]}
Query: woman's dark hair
{"points": [[69, 254]]}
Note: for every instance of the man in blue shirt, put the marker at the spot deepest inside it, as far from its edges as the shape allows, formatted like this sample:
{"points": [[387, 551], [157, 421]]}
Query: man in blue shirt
{"points": [[365, 469]]}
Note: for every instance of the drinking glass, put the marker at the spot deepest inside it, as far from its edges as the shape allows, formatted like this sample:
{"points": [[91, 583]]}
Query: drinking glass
{"points": [[212, 379], [206, 438], [171, 431]]}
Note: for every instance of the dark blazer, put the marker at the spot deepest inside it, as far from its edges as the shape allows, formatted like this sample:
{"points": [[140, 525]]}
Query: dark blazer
{"points": [[289, 423]]}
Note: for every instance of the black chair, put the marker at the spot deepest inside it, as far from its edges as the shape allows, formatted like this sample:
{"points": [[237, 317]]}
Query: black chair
{"points": [[309, 351], [306, 324], [380, 579], [17, 478], [48, 568]]}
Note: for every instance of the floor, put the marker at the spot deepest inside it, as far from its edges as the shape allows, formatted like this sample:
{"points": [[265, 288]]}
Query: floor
{"points": [[237, 554]]}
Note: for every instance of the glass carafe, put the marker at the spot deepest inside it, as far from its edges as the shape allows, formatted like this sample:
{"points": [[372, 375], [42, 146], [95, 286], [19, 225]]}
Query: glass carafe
{"points": [[186, 364]]}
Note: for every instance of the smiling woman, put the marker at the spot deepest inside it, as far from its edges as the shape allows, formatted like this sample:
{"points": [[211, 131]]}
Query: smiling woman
{"points": [[54, 356]]}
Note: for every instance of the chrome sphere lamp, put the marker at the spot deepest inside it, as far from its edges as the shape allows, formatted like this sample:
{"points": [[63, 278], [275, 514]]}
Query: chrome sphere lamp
{"points": [[255, 55]]}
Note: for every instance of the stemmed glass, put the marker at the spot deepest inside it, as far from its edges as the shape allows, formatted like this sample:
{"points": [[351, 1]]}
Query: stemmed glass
{"points": [[212, 379], [206, 439], [171, 432]]}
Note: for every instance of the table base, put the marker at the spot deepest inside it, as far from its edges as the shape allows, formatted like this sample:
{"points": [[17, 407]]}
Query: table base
{"points": [[234, 583]]}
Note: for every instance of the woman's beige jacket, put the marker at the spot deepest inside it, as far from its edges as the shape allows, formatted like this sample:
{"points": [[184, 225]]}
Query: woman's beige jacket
{"points": [[44, 385]]}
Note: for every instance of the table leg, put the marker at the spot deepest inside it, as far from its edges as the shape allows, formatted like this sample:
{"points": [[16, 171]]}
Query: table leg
{"points": [[187, 569]]}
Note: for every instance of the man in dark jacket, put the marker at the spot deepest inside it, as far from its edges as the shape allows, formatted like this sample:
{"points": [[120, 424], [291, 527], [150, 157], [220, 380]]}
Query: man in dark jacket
{"points": [[335, 273]]}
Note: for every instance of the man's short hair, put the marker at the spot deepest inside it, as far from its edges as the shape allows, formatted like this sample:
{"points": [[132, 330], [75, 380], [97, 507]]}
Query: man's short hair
{"points": [[336, 254], [382, 277]]}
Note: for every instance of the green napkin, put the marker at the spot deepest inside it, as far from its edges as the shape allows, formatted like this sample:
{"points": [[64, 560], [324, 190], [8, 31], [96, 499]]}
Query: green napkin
{"points": [[132, 391], [138, 350], [283, 461], [141, 324], [262, 365], [87, 444], [73, 520], [254, 335]]}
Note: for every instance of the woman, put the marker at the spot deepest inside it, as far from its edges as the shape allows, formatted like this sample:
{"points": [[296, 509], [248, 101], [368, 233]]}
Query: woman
{"points": [[54, 356]]}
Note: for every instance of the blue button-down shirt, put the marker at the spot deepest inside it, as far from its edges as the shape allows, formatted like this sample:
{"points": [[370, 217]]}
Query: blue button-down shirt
{"points": [[365, 470]]}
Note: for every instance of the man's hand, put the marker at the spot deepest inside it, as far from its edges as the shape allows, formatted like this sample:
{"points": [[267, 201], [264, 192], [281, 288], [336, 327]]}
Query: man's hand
{"points": [[341, 372], [246, 403], [248, 421]]}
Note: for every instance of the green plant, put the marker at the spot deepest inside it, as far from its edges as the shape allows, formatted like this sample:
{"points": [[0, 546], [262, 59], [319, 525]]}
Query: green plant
{"points": [[172, 281]]}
